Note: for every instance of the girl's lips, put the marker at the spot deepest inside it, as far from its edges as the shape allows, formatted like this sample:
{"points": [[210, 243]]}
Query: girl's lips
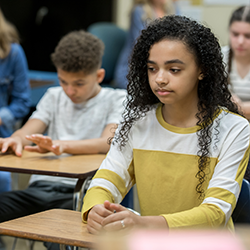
{"points": [[163, 92], [240, 49]]}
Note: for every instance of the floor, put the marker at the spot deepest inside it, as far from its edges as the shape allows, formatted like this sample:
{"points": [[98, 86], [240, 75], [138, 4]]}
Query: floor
{"points": [[21, 244]]}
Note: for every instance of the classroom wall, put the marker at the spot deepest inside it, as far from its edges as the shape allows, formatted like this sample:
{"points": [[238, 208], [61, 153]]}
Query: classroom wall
{"points": [[214, 16], [217, 18]]}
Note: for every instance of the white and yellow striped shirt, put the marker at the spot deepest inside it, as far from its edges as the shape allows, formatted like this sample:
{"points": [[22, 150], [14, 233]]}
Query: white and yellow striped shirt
{"points": [[162, 160]]}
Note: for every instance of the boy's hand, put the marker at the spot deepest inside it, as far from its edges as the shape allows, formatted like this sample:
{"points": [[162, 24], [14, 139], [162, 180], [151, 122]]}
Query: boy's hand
{"points": [[95, 218], [13, 143], [44, 144]]}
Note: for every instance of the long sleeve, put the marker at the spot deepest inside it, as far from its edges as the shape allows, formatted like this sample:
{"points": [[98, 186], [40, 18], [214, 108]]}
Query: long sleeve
{"points": [[112, 181], [16, 102]]}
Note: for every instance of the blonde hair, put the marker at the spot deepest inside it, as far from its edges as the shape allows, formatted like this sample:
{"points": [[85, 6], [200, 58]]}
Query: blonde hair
{"points": [[8, 35], [149, 12]]}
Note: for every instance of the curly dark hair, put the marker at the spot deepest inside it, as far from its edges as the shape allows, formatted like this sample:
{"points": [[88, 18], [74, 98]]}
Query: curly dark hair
{"points": [[213, 90], [78, 51]]}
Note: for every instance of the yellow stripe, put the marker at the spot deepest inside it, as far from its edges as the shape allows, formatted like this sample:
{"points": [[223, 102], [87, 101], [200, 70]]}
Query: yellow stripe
{"points": [[222, 194], [131, 171], [114, 178], [242, 167], [175, 129]]}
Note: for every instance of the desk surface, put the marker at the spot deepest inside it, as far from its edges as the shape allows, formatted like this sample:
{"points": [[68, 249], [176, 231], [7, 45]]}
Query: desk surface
{"points": [[56, 225], [73, 166]]}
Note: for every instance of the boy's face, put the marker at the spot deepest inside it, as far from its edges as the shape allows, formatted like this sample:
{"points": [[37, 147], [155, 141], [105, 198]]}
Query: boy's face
{"points": [[80, 87]]}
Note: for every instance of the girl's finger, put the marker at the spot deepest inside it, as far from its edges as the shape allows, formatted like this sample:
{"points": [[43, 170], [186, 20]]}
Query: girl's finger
{"points": [[117, 207], [115, 226]]}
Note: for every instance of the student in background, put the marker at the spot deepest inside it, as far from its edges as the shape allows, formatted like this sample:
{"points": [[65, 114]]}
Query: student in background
{"points": [[182, 140], [14, 86], [79, 117], [237, 58], [142, 13]]}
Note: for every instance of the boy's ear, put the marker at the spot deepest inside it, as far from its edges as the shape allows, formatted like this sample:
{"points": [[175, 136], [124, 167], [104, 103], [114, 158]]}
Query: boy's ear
{"points": [[100, 75]]}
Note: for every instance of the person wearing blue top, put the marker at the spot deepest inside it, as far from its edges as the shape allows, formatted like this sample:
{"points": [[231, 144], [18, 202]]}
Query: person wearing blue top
{"points": [[143, 12], [14, 86]]}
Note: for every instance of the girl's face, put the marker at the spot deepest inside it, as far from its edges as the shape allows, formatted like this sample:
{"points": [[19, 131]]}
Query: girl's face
{"points": [[239, 33], [173, 73]]}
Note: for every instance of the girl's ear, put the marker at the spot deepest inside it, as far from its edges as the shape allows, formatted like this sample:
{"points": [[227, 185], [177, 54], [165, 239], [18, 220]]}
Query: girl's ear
{"points": [[201, 76]]}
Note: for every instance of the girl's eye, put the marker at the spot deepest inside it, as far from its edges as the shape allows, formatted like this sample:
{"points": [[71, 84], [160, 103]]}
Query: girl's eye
{"points": [[151, 69], [235, 34], [79, 84], [175, 70]]}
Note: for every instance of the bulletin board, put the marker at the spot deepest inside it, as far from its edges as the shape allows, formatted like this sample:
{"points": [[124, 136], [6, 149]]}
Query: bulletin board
{"points": [[226, 2]]}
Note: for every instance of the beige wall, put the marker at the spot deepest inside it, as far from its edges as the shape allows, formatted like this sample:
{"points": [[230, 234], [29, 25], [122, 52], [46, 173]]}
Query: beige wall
{"points": [[123, 8], [216, 17]]}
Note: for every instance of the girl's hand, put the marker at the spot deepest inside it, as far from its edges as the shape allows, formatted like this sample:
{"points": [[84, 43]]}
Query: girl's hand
{"points": [[123, 219], [44, 144], [95, 218], [120, 219]]}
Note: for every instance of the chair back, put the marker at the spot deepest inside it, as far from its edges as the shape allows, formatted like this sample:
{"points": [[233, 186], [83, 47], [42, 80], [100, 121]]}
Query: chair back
{"points": [[241, 213], [113, 38]]}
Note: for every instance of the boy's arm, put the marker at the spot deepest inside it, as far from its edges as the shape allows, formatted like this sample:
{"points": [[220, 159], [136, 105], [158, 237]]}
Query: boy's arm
{"points": [[18, 140], [88, 146]]}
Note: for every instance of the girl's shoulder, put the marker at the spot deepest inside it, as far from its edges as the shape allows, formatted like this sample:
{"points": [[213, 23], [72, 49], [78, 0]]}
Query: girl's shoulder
{"points": [[229, 118], [149, 116], [16, 48], [225, 52]]}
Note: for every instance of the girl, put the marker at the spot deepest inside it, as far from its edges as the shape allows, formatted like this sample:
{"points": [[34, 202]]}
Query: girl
{"points": [[237, 57], [182, 140], [14, 86], [143, 12]]}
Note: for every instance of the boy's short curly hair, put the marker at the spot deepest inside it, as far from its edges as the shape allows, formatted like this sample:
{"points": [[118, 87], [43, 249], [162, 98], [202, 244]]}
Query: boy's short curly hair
{"points": [[78, 51]]}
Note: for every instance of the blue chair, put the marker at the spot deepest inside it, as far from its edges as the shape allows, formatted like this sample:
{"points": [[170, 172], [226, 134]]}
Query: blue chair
{"points": [[241, 213], [113, 38], [40, 81], [128, 200]]}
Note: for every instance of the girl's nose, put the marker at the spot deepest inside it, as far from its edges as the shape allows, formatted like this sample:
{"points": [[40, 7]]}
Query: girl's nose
{"points": [[161, 78], [241, 39]]}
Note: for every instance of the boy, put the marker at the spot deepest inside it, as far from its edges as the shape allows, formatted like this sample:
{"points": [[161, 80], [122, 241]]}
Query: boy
{"points": [[79, 117]]}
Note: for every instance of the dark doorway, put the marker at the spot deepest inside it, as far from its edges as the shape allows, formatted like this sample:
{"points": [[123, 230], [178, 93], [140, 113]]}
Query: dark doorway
{"points": [[41, 23]]}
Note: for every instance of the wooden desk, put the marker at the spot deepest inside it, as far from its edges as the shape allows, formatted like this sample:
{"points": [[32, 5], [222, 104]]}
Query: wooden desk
{"points": [[56, 225], [72, 166], [243, 232]]}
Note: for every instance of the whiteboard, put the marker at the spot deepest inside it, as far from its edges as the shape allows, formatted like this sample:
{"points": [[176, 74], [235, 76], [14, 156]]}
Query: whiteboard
{"points": [[226, 2]]}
